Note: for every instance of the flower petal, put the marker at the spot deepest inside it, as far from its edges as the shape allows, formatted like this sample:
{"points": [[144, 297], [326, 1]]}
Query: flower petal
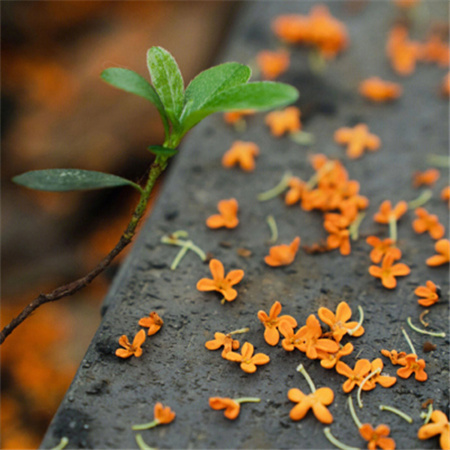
{"points": [[217, 270], [325, 395], [215, 221], [234, 277], [206, 284], [321, 412]]}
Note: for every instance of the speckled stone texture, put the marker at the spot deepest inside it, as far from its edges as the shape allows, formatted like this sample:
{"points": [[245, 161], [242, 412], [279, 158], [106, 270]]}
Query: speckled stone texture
{"points": [[108, 394]]}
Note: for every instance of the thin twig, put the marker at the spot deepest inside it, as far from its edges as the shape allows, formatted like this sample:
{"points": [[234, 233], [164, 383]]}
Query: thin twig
{"points": [[156, 169]]}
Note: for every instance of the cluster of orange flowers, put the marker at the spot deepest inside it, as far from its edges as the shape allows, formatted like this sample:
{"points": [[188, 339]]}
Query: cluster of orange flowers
{"points": [[319, 30], [410, 362], [153, 322], [404, 53]]}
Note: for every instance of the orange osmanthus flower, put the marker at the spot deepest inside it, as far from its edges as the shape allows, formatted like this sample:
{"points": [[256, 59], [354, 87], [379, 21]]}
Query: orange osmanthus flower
{"points": [[272, 322], [247, 359], [225, 340], [220, 282], [445, 194], [338, 238], [231, 407], [295, 192], [394, 356], [163, 414], [131, 349], [310, 339], [233, 117], [429, 294], [443, 248], [445, 85], [402, 52], [291, 340], [386, 213], [285, 121], [153, 323], [381, 248], [317, 401], [242, 153], [329, 360], [378, 437], [282, 255], [377, 90], [412, 365], [428, 222], [387, 272], [383, 380], [272, 64], [339, 322], [435, 50], [439, 425], [357, 139], [355, 376], [427, 178], [292, 28], [228, 215]]}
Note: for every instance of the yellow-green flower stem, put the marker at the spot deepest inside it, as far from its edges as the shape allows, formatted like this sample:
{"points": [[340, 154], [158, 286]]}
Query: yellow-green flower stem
{"points": [[358, 396], [408, 340], [361, 319], [312, 182], [421, 318], [240, 331], [173, 239], [336, 442], [393, 228], [353, 412], [277, 190], [440, 334], [240, 126], [303, 371], [427, 415], [247, 400], [439, 161], [62, 444], [302, 138], [273, 229], [421, 199], [354, 227], [396, 411], [141, 444], [316, 61], [146, 426]]}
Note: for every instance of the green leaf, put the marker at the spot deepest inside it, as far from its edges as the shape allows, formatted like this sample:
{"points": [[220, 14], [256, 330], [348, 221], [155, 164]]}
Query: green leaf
{"points": [[70, 180], [211, 82], [159, 150], [262, 95], [167, 80], [130, 81]]}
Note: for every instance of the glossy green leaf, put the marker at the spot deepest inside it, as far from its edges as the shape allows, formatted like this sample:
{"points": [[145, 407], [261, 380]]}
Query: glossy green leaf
{"points": [[130, 81], [70, 180], [260, 96], [211, 82], [159, 150], [167, 80]]}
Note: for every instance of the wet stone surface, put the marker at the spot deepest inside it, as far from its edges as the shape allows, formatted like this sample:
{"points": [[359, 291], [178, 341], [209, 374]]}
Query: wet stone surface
{"points": [[109, 394]]}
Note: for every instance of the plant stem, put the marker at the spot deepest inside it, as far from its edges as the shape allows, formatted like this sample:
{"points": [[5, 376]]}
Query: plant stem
{"points": [[156, 169], [62, 444], [146, 426], [303, 371], [335, 442], [393, 228], [240, 331], [277, 190], [354, 227], [179, 257], [439, 161], [353, 412], [247, 400], [358, 396], [408, 340], [141, 444], [273, 229], [421, 199], [396, 411], [431, 333], [427, 415], [361, 319]]}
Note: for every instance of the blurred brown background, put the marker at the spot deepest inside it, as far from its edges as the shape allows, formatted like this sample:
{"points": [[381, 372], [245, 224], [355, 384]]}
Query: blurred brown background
{"points": [[56, 112]]}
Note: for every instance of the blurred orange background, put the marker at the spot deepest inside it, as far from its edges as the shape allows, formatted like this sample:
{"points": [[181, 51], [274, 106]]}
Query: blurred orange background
{"points": [[56, 112]]}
